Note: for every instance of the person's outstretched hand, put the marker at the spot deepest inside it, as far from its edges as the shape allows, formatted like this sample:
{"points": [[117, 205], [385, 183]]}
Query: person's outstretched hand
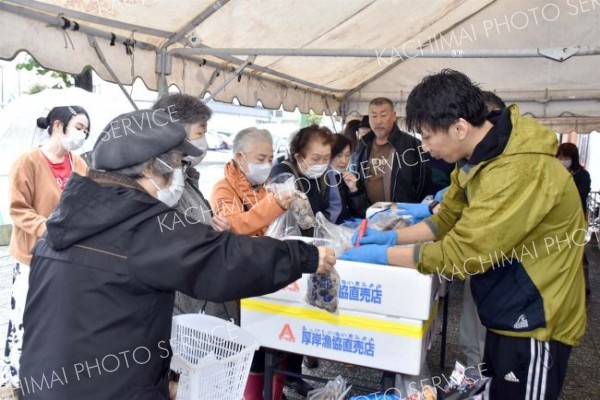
{"points": [[440, 195], [373, 236], [326, 260], [418, 211], [372, 254]]}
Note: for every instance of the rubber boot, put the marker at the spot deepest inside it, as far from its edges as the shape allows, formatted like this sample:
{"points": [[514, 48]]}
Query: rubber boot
{"points": [[254, 386], [278, 384]]}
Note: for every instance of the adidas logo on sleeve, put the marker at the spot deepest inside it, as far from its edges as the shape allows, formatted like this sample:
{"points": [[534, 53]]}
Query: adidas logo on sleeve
{"points": [[521, 322]]}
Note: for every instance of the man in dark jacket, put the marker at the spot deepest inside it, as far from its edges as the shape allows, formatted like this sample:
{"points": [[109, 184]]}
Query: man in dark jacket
{"points": [[391, 164], [98, 315]]}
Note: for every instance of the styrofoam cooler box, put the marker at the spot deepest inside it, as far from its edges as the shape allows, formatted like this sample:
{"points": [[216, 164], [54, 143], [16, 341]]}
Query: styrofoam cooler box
{"points": [[371, 340], [378, 289]]}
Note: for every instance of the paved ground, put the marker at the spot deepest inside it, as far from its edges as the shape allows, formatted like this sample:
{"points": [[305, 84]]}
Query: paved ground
{"points": [[581, 383]]}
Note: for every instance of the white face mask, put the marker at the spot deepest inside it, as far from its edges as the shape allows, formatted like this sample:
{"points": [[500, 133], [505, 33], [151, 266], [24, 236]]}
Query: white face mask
{"points": [[72, 140], [172, 194], [258, 173], [567, 163], [315, 171], [202, 145]]}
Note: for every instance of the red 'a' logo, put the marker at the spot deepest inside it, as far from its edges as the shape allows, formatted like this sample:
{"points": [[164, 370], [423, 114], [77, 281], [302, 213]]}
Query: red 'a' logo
{"points": [[293, 287], [287, 334]]}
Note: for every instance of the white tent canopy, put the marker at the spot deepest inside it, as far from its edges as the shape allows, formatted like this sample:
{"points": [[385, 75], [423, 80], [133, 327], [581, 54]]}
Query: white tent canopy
{"points": [[331, 56]]}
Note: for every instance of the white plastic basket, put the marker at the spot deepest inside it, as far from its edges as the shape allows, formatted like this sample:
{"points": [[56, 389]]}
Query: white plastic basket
{"points": [[213, 357]]}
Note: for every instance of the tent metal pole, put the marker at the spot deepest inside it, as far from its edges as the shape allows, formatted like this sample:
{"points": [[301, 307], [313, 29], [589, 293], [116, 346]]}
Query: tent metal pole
{"points": [[258, 68], [203, 16], [161, 58], [551, 96], [312, 88], [396, 53], [53, 21], [80, 16], [231, 77], [94, 44]]}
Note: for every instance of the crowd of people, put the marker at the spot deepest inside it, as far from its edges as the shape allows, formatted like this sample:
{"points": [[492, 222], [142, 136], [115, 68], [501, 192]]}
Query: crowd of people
{"points": [[107, 253]]}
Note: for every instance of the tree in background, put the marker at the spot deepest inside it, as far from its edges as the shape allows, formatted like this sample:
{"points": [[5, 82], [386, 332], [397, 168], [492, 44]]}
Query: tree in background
{"points": [[83, 80], [310, 119]]}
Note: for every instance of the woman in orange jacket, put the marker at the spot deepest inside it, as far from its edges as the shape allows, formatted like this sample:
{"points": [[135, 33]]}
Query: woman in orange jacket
{"points": [[36, 182], [241, 196]]}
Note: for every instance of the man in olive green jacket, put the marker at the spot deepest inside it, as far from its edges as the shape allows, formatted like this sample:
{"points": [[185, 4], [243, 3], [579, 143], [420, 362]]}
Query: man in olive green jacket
{"points": [[512, 221]]}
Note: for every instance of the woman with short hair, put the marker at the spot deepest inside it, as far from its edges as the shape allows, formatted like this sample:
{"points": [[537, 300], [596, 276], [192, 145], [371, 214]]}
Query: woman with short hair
{"points": [[310, 154], [353, 197], [308, 161], [241, 196], [568, 154]]}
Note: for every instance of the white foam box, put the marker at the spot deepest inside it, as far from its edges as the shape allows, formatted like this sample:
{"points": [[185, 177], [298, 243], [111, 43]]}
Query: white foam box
{"points": [[378, 289], [376, 341]]}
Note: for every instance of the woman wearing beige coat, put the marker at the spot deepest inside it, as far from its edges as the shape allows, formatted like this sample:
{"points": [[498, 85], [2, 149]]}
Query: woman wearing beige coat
{"points": [[36, 182]]}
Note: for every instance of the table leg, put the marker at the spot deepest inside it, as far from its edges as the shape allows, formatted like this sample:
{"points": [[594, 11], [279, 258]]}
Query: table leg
{"points": [[269, 368], [444, 330]]}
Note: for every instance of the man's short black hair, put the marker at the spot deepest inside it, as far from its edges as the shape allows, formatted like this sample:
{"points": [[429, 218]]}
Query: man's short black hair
{"points": [[441, 99], [493, 102]]}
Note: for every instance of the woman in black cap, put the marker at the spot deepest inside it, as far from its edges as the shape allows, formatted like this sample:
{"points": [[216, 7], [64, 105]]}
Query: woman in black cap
{"points": [[103, 280]]}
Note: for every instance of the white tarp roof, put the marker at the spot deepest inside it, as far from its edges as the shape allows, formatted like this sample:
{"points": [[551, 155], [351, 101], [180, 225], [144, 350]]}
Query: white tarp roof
{"points": [[543, 87]]}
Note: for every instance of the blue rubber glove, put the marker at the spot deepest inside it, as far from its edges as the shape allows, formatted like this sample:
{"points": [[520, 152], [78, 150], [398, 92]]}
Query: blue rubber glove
{"points": [[418, 211], [439, 195], [376, 237], [372, 254]]}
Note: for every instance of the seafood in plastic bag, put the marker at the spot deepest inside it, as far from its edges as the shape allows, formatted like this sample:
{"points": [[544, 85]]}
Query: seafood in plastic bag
{"points": [[338, 237], [387, 220], [335, 389], [323, 290], [300, 206]]}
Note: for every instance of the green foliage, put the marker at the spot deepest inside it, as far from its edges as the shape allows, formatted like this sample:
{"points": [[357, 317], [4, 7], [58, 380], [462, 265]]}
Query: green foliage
{"points": [[36, 88], [64, 80], [310, 119], [314, 118]]}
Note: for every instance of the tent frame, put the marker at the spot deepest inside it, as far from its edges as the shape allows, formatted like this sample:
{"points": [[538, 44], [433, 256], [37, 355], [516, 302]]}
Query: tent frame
{"points": [[236, 67]]}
